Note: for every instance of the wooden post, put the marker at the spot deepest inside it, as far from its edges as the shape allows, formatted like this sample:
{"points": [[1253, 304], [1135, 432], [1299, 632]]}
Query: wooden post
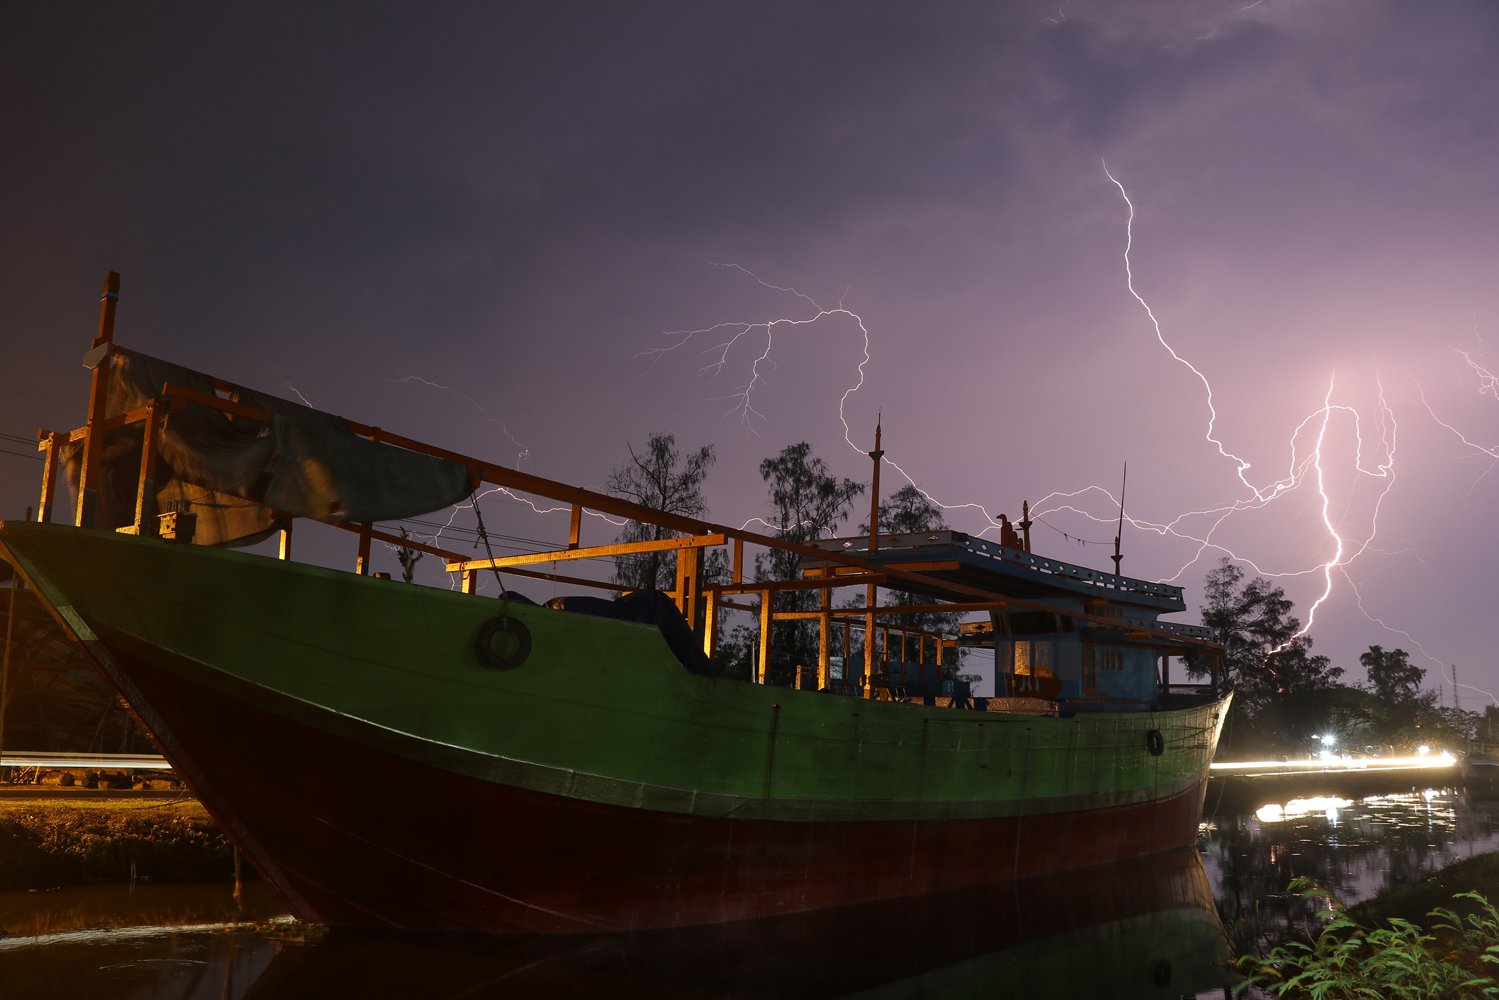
{"points": [[10, 622], [285, 547], [690, 587], [848, 646], [93, 435], [710, 622], [51, 443], [145, 496], [362, 564], [763, 667], [824, 640], [470, 581], [871, 592], [575, 528]]}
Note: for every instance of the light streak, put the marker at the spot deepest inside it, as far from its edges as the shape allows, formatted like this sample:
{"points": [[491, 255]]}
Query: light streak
{"points": [[1262, 768]]}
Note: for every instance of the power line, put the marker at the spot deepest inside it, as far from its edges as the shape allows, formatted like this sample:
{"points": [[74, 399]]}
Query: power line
{"points": [[16, 454]]}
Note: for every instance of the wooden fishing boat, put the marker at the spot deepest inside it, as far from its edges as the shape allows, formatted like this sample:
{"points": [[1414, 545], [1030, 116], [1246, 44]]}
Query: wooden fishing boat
{"points": [[389, 754]]}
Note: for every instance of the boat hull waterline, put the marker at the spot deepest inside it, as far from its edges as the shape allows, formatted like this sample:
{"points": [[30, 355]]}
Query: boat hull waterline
{"points": [[379, 772]]}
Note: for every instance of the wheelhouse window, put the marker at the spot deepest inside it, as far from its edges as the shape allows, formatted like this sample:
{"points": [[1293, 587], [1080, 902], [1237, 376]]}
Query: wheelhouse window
{"points": [[1096, 661]]}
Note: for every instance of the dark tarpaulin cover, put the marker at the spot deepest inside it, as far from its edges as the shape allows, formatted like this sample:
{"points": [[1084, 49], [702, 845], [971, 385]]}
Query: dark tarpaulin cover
{"points": [[238, 474]]}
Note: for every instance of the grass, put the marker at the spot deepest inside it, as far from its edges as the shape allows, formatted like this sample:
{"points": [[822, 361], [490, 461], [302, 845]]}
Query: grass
{"points": [[57, 840]]}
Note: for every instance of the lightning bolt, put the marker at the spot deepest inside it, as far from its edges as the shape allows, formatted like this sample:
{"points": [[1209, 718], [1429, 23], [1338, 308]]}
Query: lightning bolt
{"points": [[1309, 450], [1300, 468], [523, 453], [1488, 385], [742, 396], [298, 393]]}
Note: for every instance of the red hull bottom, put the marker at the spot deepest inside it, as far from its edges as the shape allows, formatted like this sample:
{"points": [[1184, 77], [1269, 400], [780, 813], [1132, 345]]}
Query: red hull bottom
{"points": [[357, 836]]}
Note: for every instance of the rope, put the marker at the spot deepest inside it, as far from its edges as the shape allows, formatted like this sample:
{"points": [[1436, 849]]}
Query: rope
{"points": [[489, 550], [1071, 538]]}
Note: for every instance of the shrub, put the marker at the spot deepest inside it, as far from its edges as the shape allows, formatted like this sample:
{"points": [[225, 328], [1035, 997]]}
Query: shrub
{"points": [[1345, 960]]}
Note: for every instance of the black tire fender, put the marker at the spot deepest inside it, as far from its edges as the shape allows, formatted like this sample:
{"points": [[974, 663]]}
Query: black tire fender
{"points": [[1155, 742], [503, 643]]}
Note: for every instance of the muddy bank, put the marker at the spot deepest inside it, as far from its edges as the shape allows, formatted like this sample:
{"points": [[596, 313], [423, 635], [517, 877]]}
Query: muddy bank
{"points": [[78, 839], [1415, 900]]}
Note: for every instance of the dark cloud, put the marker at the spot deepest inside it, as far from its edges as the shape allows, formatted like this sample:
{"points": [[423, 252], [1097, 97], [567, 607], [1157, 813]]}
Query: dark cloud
{"points": [[513, 200]]}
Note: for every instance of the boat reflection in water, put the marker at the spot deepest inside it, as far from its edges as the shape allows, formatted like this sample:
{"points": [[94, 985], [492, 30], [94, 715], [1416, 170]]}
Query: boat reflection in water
{"points": [[1147, 928]]}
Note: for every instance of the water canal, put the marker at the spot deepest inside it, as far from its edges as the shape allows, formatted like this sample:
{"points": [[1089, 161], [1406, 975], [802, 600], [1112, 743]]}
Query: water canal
{"points": [[1150, 929]]}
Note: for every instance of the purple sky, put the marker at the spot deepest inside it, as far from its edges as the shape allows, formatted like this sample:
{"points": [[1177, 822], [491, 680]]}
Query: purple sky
{"points": [[520, 203]]}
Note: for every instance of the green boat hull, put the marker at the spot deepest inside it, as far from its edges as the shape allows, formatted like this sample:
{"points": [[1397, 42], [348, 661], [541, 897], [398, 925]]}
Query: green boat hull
{"points": [[295, 698]]}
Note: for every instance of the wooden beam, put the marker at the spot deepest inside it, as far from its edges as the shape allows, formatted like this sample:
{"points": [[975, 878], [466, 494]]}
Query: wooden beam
{"points": [[591, 552], [181, 394], [780, 586]]}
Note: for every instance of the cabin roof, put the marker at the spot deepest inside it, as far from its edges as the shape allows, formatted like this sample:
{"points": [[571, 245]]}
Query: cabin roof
{"points": [[1006, 571]]}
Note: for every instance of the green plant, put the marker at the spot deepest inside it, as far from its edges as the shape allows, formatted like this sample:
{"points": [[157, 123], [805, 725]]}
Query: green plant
{"points": [[1345, 960]]}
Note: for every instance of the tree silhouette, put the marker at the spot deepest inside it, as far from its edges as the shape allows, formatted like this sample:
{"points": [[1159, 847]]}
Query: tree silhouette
{"points": [[657, 478], [806, 502]]}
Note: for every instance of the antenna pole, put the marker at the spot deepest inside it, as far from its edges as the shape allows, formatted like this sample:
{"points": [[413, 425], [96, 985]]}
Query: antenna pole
{"points": [[1119, 533]]}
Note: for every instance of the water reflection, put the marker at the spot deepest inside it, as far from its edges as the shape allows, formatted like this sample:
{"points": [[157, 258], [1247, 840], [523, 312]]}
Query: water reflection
{"points": [[1147, 929], [1356, 848]]}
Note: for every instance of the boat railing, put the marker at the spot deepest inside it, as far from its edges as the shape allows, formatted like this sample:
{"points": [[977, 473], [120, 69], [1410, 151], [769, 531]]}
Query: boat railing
{"points": [[1005, 556]]}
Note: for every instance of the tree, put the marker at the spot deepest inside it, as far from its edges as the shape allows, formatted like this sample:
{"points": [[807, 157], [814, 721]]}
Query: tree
{"points": [[408, 558], [1393, 677], [1282, 690], [806, 502], [660, 479], [908, 511], [1396, 684]]}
